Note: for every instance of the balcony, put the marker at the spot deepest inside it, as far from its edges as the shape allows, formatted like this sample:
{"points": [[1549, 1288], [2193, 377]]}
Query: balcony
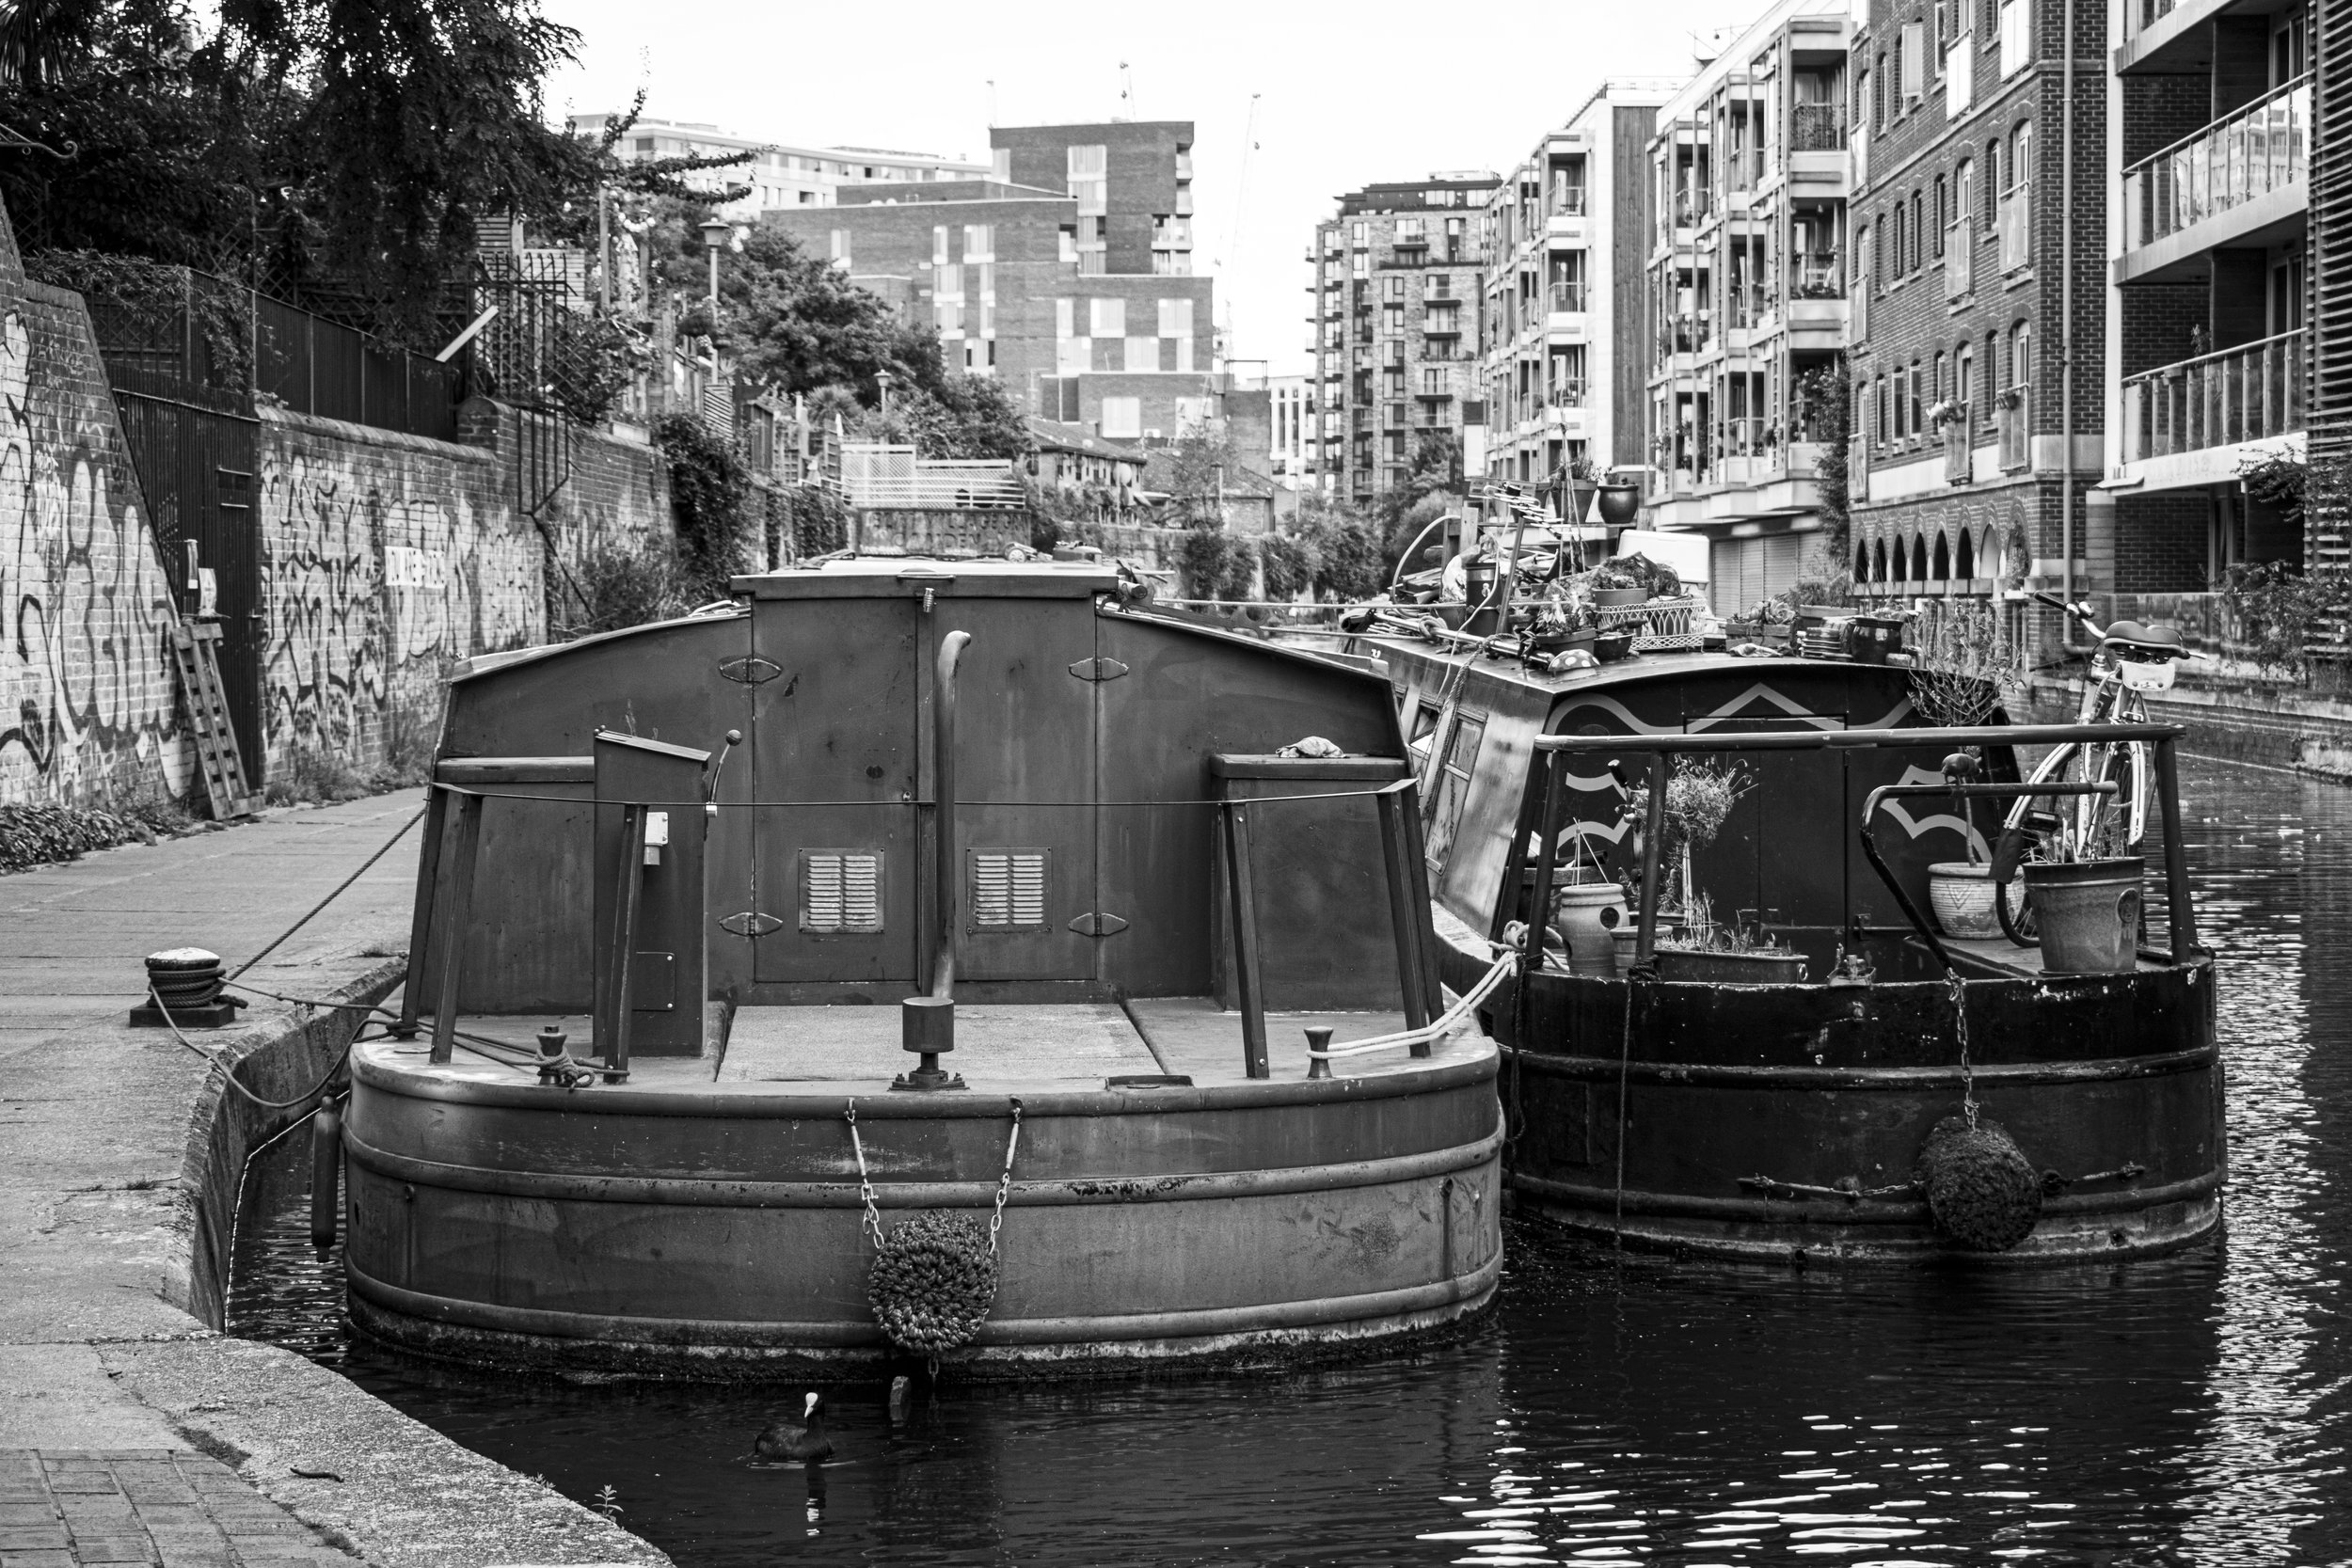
{"points": [[1441, 324], [1817, 274], [1817, 128], [1748, 305], [2246, 176], [2253, 392], [1565, 298], [1691, 204]]}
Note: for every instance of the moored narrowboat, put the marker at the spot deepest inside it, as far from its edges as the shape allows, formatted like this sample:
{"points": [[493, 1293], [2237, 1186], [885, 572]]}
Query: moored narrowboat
{"points": [[934, 959], [1766, 1041]]}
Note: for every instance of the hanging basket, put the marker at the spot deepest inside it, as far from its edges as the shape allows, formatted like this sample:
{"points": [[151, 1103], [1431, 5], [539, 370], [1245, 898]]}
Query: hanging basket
{"points": [[932, 1282]]}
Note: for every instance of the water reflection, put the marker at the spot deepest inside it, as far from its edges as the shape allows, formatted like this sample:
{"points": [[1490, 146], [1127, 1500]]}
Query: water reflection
{"points": [[2185, 1409]]}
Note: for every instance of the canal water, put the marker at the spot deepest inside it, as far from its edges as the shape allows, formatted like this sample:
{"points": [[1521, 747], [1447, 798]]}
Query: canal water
{"points": [[2187, 1410]]}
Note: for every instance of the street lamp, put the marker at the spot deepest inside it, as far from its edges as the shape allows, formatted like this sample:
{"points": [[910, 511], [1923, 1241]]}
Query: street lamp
{"points": [[716, 232]]}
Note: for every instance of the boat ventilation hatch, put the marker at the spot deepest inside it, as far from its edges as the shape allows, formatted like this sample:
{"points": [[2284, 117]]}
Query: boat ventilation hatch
{"points": [[1008, 888], [841, 891]]}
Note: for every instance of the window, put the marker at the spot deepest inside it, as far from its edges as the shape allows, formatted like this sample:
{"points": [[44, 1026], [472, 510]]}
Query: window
{"points": [[1896, 215], [2017, 36], [1964, 192], [1175, 318], [1393, 288], [1451, 785], [1090, 177], [2021, 155], [1391, 319], [841, 249], [1910, 50], [1123, 417], [1964, 386], [939, 246], [1918, 228], [1106, 318], [1433, 382], [1359, 235], [1069, 251], [1877, 93], [1942, 217], [980, 242]]}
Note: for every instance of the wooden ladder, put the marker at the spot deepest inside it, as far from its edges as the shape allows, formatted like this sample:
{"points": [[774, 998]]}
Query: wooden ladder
{"points": [[196, 650]]}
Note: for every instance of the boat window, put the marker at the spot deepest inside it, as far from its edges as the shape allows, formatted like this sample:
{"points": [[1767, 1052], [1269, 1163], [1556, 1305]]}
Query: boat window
{"points": [[1418, 732], [1453, 777], [1008, 890], [841, 891]]}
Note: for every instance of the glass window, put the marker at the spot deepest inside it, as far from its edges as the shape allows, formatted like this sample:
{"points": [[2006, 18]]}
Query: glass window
{"points": [[1452, 785]]}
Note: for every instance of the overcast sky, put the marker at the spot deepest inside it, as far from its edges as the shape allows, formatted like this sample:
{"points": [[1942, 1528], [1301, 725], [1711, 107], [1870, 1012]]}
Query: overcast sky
{"points": [[1345, 95]]}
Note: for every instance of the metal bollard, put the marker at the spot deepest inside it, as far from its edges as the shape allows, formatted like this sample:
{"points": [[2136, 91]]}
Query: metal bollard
{"points": [[1318, 1038], [327, 1169]]}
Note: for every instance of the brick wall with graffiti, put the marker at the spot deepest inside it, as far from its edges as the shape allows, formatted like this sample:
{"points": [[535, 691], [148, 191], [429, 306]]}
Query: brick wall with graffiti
{"points": [[86, 683]]}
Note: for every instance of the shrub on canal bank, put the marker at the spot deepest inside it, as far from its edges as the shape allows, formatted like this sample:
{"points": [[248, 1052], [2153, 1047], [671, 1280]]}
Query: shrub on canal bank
{"points": [[42, 836]]}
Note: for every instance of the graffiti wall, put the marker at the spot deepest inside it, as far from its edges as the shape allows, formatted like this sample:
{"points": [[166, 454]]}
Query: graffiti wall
{"points": [[388, 559], [86, 684]]}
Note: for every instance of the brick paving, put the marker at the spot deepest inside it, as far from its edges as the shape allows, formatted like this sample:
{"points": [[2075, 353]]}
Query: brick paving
{"points": [[167, 1508]]}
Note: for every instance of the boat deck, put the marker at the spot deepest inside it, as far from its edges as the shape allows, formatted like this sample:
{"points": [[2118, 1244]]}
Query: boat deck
{"points": [[1001, 1048], [1998, 958]]}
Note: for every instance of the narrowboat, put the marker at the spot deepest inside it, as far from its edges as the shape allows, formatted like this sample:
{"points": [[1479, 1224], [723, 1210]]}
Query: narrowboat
{"points": [[922, 960], [1760, 1049]]}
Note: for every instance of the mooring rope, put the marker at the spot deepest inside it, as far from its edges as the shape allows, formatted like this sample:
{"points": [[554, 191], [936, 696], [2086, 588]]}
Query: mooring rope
{"points": [[1437, 1028]]}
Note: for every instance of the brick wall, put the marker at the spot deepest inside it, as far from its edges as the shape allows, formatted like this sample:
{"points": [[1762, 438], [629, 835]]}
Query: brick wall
{"points": [[2160, 541], [87, 691]]}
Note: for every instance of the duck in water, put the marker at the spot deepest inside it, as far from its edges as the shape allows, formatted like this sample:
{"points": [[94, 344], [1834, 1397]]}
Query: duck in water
{"points": [[804, 1440]]}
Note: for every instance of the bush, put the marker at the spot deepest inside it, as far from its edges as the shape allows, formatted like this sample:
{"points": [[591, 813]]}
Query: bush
{"points": [[42, 836], [629, 585], [709, 490], [1289, 564], [1212, 564], [2280, 611], [820, 521]]}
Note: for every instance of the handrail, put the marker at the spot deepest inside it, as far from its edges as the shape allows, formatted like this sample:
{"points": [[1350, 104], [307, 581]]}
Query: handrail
{"points": [[1958, 792], [1860, 739], [944, 783], [2210, 127], [2235, 349]]}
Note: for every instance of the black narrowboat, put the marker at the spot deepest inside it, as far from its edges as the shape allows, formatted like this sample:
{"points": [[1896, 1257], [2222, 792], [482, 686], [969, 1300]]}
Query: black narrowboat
{"points": [[1876, 1084]]}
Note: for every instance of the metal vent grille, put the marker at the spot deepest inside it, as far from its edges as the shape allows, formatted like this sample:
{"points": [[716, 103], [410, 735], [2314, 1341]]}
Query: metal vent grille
{"points": [[841, 891], [1008, 890]]}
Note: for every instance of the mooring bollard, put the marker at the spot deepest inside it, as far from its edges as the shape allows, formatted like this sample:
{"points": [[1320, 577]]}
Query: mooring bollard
{"points": [[1318, 1038], [327, 1169]]}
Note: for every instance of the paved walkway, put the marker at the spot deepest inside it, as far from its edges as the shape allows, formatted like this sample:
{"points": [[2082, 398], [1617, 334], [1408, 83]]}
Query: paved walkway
{"points": [[117, 1406], [172, 1508]]}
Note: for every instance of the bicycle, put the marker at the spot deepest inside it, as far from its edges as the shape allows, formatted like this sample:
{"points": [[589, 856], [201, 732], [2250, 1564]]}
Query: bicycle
{"points": [[2131, 662]]}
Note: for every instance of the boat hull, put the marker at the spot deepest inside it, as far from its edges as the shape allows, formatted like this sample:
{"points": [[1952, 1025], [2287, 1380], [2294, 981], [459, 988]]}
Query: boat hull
{"points": [[1785, 1123], [719, 1232]]}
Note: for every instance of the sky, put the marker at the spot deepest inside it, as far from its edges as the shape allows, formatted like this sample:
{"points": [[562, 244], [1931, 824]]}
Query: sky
{"points": [[1293, 104]]}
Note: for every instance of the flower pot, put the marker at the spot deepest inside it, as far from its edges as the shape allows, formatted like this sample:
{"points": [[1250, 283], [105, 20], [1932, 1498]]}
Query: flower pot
{"points": [[1581, 499], [1589, 915], [1730, 969], [1610, 598], [1961, 897], [1613, 645], [2089, 915], [1620, 504], [1874, 637]]}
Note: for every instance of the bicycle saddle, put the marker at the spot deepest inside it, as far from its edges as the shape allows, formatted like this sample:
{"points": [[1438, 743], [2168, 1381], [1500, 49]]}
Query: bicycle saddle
{"points": [[2145, 642]]}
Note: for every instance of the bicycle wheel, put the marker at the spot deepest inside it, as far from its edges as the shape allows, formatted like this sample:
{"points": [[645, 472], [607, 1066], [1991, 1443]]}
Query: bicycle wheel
{"points": [[2013, 908], [2102, 825]]}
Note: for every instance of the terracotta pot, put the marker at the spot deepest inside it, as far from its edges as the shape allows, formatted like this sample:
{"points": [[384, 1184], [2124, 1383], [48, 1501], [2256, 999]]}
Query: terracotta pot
{"points": [[1620, 504]]}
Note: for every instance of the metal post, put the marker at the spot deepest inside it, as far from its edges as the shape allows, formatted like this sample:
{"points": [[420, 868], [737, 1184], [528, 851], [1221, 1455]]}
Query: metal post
{"points": [[1401, 912], [944, 816], [622, 960], [420, 921], [450, 957], [2184, 917], [1416, 863], [1246, 989], [1539, 904], [1653, 835]]}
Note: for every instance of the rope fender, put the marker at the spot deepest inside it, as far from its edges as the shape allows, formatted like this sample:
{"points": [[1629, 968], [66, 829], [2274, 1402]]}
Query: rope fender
{"points": [[933, 1279]]}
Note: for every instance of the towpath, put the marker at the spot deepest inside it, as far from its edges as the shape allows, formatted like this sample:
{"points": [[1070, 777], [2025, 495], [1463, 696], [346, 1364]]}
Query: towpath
{"points": [[132, 1431]]}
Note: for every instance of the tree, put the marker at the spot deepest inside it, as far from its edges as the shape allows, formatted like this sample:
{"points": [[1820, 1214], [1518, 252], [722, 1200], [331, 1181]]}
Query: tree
{"points": [[297, 136], [1824, 413], [1200, 461]]}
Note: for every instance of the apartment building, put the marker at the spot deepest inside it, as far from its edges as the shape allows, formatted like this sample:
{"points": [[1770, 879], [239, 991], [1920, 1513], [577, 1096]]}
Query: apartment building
{"points": [[1291, 415], [1397, 280], [1748, 245], [779, 175], [1976, 456], [1072, 308], [2209, 149], [1132, 180], [1564, 324]]}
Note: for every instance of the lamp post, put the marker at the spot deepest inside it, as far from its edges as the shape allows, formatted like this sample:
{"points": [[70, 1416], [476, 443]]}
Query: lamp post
{"points": [[716, 232]]}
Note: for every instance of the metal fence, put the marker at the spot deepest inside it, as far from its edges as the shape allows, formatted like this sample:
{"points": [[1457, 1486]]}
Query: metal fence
{"points": [[2259, 149]]}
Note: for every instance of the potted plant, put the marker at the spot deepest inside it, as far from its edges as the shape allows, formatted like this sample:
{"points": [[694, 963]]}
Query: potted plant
{"points": [[1740, 953], [1584, 478], [1563, 619], [1700, 796], [1620, 503], [1617, 582], [1962, 667]]}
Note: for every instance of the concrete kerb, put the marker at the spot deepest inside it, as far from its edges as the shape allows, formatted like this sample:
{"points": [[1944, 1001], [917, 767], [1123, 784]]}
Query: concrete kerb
{"points": [[123, 1210]]}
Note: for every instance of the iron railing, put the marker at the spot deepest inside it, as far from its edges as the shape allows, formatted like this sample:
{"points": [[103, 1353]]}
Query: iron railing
{"points": [[2249, 153], [2249, 393], [1565, 298], [1817, 128]]}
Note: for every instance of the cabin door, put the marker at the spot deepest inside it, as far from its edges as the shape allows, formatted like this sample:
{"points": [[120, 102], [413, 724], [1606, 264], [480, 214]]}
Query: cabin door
{"points": [[1025, 757], [835, 721]]}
